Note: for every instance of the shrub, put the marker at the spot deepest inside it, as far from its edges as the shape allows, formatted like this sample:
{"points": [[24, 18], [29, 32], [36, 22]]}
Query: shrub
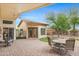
{"points": [[44, 39]]}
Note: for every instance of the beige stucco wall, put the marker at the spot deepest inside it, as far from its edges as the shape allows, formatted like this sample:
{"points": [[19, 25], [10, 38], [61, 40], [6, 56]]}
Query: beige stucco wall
{"points": [[39, 31], [9, 26], [24, 26]]}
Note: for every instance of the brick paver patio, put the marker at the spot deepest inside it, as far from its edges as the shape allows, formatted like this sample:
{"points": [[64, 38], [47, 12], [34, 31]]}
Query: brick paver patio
{"points": [[27, 47]]}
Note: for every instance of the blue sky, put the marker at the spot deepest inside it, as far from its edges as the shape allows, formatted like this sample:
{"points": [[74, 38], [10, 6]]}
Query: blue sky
{"points": [[38, 15]]}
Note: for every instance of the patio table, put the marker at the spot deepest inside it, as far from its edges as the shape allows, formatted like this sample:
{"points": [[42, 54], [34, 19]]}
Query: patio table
{"points": [[59, 43], [62, 41], [59, 46], [62, 46]]}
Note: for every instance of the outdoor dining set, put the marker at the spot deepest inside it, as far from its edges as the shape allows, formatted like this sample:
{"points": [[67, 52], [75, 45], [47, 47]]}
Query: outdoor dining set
{"points": [[62, 46]]}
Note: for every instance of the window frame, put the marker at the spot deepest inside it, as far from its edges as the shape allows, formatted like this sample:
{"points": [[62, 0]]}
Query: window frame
{"points": [[7, 22], [43, 31]]}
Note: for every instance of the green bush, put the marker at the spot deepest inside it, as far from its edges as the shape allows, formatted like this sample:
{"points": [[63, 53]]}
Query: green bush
{"points": [[44, 39]]}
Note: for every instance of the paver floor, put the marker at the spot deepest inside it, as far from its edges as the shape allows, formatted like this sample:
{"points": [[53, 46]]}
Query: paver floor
{"points": [[27, 47]]}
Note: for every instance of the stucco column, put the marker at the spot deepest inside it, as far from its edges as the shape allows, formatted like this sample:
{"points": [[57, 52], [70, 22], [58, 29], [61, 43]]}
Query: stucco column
{"points": [[14, 30], [46, 31], [27, 31], [39, 32]]}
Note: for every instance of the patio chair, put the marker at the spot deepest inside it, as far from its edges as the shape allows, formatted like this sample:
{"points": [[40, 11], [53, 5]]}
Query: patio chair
{"points": [[68, 48], [8, 42], [65, 49], [50, 41], [59, 48], [70, 44]]}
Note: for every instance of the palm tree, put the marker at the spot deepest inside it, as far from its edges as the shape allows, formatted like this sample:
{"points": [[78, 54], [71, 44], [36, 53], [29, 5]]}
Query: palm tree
{"points": [[74, 18], [58, 22], [63, 23]]}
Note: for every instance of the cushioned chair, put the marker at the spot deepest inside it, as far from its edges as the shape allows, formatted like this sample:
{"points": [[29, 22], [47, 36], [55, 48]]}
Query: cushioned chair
{"points": [[70, 44], [65, 49]]}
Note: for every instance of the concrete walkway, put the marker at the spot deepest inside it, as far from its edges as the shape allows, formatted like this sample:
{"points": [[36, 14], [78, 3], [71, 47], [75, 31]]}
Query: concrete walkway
{"points": [[27, 47]]}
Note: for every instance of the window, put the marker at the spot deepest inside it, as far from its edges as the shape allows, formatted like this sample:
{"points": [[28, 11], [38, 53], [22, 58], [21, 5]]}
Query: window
{"points": [[7, 22], [42, 31], [21, 29], [20, 33]]}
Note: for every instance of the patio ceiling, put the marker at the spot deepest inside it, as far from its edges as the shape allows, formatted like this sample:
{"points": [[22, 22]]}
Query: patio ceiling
{"points": [[11, 11]]}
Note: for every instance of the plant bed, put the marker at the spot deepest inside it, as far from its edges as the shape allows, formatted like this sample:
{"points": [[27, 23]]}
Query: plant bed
{"points": [[44, 39]]}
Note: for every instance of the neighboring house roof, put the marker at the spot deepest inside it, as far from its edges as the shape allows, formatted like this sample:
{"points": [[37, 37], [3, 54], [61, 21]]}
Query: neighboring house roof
{"points": [[32, 22]]}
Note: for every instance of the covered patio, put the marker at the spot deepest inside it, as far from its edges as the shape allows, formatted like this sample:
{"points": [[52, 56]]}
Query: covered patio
{"points": [[9, 12], [8, 15]]}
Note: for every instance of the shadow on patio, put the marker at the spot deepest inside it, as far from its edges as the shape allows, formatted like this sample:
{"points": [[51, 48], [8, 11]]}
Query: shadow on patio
{"points": [[29, 47]]}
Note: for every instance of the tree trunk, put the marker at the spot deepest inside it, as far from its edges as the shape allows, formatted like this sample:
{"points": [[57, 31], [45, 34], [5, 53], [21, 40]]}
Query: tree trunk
{"points": [[74, 30], [58, 33]]}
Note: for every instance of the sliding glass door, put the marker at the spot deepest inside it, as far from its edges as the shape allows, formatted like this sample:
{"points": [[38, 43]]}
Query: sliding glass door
{"points": [[33, 32], [8, 33]]}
